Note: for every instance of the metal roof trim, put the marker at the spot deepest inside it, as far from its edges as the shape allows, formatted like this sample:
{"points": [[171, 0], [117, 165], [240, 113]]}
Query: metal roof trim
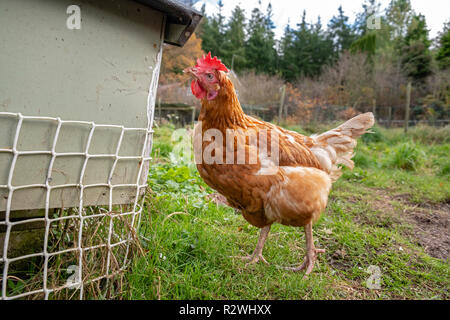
{"points": [[181, 20]]}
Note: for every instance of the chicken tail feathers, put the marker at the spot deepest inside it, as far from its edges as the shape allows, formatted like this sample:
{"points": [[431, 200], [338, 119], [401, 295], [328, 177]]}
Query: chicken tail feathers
{"points": [[336, 146]]}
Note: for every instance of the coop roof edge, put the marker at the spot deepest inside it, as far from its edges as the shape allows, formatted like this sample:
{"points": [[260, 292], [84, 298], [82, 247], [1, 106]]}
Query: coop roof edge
{"points": [[181, 20]]}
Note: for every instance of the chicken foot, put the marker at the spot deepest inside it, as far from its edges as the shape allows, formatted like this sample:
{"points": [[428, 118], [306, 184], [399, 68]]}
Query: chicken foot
{"points": [[311, 254], [257, 256]]}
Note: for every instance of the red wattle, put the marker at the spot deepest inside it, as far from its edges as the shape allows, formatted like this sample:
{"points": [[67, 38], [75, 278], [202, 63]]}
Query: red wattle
{"points": [[197, 90]]}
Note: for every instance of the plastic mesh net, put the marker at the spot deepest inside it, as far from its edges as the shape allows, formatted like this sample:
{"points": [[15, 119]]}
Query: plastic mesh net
{"points": [[79, 246]]}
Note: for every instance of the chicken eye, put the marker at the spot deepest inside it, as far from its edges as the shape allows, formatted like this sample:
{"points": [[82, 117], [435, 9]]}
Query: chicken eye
{"points": [[209, 76]]}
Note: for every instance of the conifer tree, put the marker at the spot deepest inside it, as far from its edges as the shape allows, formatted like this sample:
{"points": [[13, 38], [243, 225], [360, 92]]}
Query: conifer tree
{"points": [[341, 32], [213, 33], [260, 50], [288, 65], [416, 56], [443, 48], [233, 46]]}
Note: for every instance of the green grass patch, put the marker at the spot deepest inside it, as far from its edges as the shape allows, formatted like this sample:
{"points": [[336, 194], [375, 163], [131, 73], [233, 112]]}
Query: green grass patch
{"points": [[189, 241]]}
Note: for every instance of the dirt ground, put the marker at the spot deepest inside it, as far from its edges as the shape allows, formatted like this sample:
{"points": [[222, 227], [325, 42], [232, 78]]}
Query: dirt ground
{"points": [[430, 222]]}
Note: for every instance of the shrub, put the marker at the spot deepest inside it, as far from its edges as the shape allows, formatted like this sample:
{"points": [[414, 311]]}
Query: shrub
{"points": [[419, 134], [361, 160], [374, 135], [406, 156], [445, 169], [428, 134]]}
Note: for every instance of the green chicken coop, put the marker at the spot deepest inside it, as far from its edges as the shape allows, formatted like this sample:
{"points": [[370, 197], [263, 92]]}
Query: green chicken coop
{"points": [[78, 82]]}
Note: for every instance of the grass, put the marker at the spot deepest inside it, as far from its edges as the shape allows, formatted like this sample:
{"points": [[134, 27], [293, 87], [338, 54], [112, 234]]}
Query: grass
{"points": [[371, 220], [27, 275]]}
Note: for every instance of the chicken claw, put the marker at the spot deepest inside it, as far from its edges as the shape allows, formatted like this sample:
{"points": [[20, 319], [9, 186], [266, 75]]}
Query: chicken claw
{"points": [[308, 263], [257, 256], [311, 254], [254, 258]]}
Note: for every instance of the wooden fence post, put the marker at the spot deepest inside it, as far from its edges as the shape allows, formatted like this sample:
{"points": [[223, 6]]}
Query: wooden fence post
{"points": [[389, 117], [408, 102], [280, 111], [374, 108]]}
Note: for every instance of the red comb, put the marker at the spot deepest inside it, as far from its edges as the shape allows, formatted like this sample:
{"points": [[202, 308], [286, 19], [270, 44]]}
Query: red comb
{"points": [[207, 62]]}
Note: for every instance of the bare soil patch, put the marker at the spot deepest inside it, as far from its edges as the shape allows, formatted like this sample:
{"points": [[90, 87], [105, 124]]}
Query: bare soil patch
{"points": [[430, 222]]}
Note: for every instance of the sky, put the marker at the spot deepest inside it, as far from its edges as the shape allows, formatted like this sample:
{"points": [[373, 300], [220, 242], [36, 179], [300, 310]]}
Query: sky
{"points": [[436, 12]]}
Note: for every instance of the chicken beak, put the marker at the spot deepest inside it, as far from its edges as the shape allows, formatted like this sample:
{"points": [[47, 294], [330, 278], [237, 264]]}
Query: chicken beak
{"points": [[192, 71]]}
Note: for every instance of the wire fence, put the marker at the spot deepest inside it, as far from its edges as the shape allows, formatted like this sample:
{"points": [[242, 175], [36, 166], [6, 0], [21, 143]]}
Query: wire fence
{"points": [[401, 123], [81, 248], [183, 114]]}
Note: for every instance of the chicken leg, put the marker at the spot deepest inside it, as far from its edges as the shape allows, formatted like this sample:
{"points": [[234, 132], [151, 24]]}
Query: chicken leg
{"points": [[311, 254], [256, 256]]}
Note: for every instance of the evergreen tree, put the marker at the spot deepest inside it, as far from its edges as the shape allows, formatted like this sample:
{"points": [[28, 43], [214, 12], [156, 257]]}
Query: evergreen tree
{"points": [[213, 33], [260, 52], [233, 47], [341, 31], [322, 47], [313, 47], [253, 53], [288, 65], [305, 50], [302, 48], [443, 48], [416, 55], [270, 43]]}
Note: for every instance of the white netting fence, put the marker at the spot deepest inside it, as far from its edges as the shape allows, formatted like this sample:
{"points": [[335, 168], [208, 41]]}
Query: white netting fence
{"points": [[82, 247]]}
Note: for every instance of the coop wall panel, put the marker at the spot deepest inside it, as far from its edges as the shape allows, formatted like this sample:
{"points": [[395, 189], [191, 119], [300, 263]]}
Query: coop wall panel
{"points": [[101, 73]]}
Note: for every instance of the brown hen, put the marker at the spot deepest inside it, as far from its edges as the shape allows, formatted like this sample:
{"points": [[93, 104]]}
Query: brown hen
{"points": [[270, 174]]}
